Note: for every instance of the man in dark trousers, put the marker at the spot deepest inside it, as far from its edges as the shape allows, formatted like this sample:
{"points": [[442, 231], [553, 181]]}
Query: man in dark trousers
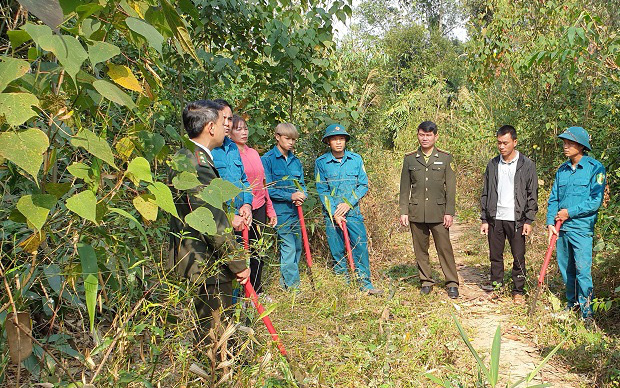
{"points": [[210, 261], [427, 205], [509, 205]]}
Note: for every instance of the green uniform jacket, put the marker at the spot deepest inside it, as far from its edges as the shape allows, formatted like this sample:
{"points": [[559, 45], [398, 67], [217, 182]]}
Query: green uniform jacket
{"points": [[199, 256], [427, 190]]}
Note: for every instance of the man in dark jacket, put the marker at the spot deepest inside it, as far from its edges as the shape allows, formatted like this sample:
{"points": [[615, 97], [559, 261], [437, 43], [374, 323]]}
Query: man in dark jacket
{"points": [[210, 261], [509, 206]]}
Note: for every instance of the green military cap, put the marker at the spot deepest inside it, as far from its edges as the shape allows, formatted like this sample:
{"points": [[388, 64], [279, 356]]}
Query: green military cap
{"points": [[333, 130], [578, 135]]}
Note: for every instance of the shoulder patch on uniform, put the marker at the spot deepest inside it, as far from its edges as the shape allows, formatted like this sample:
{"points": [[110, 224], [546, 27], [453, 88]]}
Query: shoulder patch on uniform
{"points": [[442, 151], [202, 158], [600, 178], [411, 153]]}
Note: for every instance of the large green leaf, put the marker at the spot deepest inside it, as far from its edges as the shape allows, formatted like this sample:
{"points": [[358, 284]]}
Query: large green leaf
{"points": [[81, 171], [139, 170], [95, 145], [17, 107], [36, 208], [25, 149], [149, 32], [163, 196], [218, 192], [113, 93], [84, 204], [180, 162], [202, 220], [102, 51], [151, 143], [146, 205], [66, 48], [11, 69], [90, 272], [185, 181]]}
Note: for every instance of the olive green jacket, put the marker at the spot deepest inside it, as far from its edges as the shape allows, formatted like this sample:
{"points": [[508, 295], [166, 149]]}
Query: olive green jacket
{"points": [[427, 190], [198, 256]]}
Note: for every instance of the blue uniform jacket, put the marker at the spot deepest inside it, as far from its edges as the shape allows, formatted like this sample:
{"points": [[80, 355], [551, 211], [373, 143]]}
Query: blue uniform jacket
{"points": [[337, 181], [227, 160], [280, 175], [579, 191]]}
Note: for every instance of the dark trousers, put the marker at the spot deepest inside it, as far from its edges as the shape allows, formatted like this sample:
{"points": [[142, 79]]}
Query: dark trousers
{"points": [[421, 240], [259, 219], [499, 232], [212, 307]]}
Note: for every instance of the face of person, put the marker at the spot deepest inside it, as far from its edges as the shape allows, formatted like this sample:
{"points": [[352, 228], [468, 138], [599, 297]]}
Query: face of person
{"points": [[285, 143], [337, 143], [227, 118], [506, 144], [239, 133], [427, 140], [219, 129], [571, 148]]}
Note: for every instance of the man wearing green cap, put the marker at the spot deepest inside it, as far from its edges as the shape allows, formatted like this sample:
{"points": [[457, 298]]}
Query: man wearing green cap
{"points": [[341, 182], [575, 198]]}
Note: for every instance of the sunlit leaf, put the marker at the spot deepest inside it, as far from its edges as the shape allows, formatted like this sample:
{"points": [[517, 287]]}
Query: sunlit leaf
{"points": [[152, 36], [146, 205], [123, 76], [11, 69], [185, 181], [102, 51], [84, 204], [139, 170], [202, 220], [95, 145], [17, 107], [163, 196], [218, 192], [80, 171], [113, 93], [36, 208], [24, 148]]}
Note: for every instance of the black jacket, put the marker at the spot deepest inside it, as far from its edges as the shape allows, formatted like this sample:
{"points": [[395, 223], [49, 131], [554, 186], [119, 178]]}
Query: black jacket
{"points": [[526, 191]]}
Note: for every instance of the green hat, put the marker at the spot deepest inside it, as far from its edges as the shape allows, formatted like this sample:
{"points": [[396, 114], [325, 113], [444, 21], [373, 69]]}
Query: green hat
{"points": [[578, 135], [333, 130]]}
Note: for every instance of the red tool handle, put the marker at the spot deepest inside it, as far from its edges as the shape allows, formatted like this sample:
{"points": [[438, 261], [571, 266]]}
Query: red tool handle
{"points": [[347, 244], [246, 237], [251, 294], [304, 234], [543, 270]]}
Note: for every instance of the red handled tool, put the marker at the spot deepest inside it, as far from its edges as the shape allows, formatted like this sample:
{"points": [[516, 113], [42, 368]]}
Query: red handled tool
{"points": [[545, 265], [304, 234], [250, 293], [347, 244]]}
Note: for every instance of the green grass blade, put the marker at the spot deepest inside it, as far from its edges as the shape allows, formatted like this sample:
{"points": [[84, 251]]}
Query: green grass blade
{"points": [[495, 351], [471, 348], [544, 361], [438, 381]]}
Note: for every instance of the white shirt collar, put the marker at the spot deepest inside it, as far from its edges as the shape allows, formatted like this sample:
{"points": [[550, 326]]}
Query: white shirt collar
{"points": [[208, 151], [501, 158]]}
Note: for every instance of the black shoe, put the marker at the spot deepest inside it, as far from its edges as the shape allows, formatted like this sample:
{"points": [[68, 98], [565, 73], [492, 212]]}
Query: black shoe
{"points": [[425, 290], [453, 292]]}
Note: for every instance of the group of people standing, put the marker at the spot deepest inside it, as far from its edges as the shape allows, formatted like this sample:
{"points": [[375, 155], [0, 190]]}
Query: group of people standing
{"points": [[272, 187]]}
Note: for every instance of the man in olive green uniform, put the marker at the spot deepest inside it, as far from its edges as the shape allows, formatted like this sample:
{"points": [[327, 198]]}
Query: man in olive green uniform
{"points": [[427, 205], [210, 261]]}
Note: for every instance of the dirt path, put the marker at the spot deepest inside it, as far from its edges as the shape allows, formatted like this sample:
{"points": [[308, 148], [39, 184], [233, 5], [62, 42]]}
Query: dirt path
{"points": [[483, 312]]}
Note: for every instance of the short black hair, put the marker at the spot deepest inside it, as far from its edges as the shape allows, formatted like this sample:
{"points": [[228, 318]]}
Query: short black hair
{"points": [[428, 126], [504, 129], [223, 102], [197, 115], [211, 104]]}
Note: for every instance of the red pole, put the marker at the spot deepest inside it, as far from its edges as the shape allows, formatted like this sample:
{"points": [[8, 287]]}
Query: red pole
{"points": [[543, 270], [250, 293], [304, 234], [347, 244]]}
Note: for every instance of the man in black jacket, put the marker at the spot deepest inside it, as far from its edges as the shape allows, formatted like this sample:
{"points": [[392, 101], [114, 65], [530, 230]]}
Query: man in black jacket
{"points": [[509, 204]]}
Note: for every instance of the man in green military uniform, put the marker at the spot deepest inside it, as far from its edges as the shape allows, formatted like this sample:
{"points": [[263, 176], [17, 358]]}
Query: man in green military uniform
{"points": [[427, 205], [211, 262]]}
